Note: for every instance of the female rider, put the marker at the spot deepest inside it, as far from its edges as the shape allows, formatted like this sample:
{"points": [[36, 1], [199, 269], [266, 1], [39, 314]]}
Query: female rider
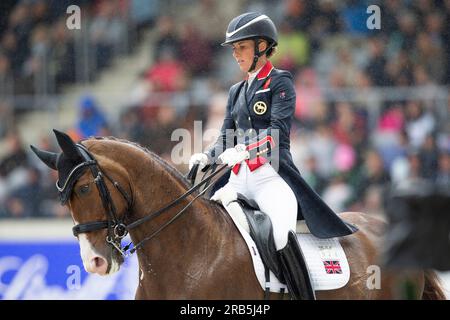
{"points": [[254, 140]]}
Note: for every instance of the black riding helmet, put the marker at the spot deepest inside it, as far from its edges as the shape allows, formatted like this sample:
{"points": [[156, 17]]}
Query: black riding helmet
{"points": [[252, 25]]}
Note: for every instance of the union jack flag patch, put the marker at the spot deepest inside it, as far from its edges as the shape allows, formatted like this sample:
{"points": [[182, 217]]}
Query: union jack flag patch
{"points": [[332, 267]]}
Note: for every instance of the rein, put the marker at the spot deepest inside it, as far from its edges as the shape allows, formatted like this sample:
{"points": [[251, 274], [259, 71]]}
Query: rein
{"points": [[169, 206], [172, 204], [117, 230]]}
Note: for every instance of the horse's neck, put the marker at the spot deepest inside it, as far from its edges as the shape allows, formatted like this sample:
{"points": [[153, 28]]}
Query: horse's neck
{"points": [[200, 230], [193, 256]]}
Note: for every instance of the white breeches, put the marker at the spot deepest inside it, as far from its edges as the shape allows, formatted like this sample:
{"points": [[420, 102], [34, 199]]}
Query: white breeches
{"points": [[273, 196]]}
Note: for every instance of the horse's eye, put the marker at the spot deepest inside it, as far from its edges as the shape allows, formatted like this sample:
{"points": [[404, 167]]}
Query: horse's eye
{"points": [[84, 189]]}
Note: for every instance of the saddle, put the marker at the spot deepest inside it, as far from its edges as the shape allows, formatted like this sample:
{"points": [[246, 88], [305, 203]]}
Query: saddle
{"points": [[322, 261], [287, 264], [261, 232]]}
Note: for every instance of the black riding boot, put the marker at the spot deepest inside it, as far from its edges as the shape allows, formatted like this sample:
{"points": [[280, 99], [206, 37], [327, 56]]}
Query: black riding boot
{"points": [[294, 270]]}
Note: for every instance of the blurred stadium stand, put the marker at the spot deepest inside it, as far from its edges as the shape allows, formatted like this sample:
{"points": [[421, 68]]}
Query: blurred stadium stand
{"points": [[372, 105]]}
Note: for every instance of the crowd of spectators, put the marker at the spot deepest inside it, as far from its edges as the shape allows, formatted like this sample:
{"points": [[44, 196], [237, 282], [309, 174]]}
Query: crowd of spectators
{"points": [[350, 150], [39, 55]]}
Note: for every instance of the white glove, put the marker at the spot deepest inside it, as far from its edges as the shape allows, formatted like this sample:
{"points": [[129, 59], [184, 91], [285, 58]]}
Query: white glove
{"points": [[235, 155], [200, 158]]}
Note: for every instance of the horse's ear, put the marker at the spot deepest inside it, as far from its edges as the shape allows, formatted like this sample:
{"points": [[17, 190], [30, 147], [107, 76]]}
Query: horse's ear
{"points": [[49, 158], [67, 145]]}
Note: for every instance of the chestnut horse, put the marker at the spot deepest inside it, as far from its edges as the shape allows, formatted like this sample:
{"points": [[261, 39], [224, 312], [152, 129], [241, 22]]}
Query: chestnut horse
{"points": [[201, 255]]}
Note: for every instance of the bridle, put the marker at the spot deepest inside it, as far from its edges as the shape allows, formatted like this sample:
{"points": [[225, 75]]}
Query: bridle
{"points": [[117, 229]]}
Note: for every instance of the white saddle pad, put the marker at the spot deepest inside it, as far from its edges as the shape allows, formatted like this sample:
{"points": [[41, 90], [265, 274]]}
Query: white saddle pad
{"points": [[326, 261]]}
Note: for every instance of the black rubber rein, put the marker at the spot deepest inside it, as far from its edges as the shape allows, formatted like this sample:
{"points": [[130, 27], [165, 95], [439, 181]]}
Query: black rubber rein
{"points": [[176, 201]]}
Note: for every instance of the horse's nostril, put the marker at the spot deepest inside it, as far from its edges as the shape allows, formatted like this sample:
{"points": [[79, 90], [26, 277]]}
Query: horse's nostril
{"points": [[98, 265], [99, 262]]}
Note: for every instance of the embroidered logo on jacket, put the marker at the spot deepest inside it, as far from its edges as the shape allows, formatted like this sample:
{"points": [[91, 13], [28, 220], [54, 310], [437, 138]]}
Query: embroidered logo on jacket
{"points": [[260, 107]]}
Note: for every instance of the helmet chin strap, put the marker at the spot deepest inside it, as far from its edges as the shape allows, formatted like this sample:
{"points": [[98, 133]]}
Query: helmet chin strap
{"points": [[258, 54]]}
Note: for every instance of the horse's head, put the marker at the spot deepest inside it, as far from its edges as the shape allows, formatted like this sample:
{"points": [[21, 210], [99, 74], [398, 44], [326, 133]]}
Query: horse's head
{"points": [[93, 189]]}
